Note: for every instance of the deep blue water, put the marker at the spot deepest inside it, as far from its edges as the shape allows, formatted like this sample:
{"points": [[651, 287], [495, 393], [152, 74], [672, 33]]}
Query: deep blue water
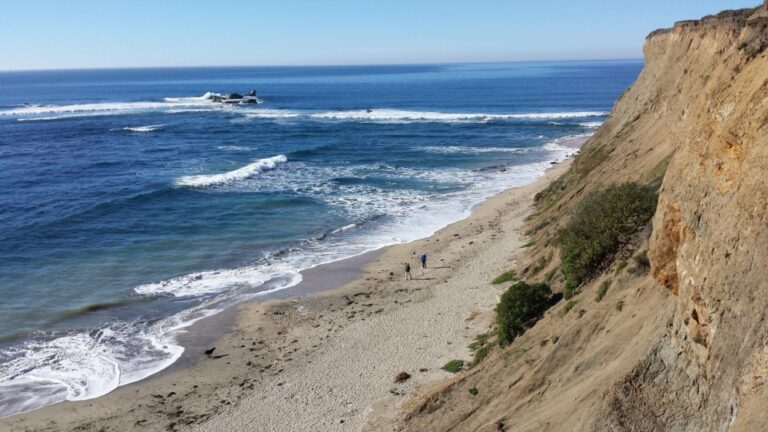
{"points": [[131, 206]]}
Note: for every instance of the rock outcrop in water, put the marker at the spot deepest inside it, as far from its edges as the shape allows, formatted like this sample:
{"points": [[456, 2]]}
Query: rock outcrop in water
{"points": [[683, 347], [233, 98]]}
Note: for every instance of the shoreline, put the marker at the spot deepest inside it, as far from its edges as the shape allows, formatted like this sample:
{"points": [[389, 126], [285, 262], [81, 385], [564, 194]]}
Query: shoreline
{"points": [[267, 346]]}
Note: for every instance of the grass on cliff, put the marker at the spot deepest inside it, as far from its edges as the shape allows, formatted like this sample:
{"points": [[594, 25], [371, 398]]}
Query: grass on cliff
{"points": [[520, 306], [603, 223], [454, 366], [602, 290], [507, 276], [567, 308], [481, 347]]}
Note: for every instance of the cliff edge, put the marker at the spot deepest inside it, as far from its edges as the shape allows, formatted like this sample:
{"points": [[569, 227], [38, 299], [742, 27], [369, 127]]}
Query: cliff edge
{"points": [[672, 333]]}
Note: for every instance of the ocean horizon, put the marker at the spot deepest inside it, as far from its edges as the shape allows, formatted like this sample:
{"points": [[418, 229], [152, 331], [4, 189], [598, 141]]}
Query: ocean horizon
{"points": [[134, 205]]}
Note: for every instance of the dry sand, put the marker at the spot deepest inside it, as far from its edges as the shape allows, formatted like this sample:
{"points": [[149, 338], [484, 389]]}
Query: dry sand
{"points": [[327, 361]]}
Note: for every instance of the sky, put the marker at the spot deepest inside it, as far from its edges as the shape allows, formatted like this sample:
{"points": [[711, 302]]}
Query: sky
{"points": [[65, 34]]}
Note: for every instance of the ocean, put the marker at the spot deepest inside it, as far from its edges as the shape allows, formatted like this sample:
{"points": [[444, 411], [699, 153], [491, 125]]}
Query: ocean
{"points": [[133, 206]]}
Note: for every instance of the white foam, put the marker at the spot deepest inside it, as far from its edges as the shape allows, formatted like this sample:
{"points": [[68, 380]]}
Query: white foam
{"points": [[472, 150], [568, 144], [206, 97], [203, 103], [149, 128], [407, 116], [55, 112], [207, 282], [243, 173], [85, 365], [591, 125], [404, 115], [89, 108], [344, 228], [236, 148], [266, 113]]}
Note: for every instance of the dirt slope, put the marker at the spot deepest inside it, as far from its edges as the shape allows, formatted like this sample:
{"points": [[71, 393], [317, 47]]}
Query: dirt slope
{"points": [[684, 346]]}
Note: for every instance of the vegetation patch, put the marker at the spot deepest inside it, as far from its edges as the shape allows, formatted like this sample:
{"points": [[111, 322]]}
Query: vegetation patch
{"points": [[529, 244], [480, 355], [520, 307], [481, 348], [480, 341], [454, 366], [620, 266], [473, 391], [603, 223], [601, 290], [539, 266], [550, 276], [642, 264], [507, 276], [568, 306]]}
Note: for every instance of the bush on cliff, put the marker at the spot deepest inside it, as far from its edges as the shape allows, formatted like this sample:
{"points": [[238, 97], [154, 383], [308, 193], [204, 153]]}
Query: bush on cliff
{"points": [[603, 223], [519, 308], [507, 276]]}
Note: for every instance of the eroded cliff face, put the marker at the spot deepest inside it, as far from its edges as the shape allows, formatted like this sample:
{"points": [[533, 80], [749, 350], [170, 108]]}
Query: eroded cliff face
{"points": [[684, 348], [710, 240]]}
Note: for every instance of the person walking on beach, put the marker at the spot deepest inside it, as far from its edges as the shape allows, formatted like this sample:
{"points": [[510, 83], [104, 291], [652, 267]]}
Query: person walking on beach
{"points": [[407, 271], [423, 259]]}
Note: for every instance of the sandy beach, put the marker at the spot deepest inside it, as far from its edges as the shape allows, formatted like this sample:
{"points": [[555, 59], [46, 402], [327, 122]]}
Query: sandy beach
{"points": [[318, 358]]}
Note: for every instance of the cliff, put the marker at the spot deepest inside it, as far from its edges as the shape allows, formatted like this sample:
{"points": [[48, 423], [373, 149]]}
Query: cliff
{"points": [[679, 346]]}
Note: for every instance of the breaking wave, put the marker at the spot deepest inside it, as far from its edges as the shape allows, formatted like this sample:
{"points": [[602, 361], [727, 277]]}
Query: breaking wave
{"points": [[394, 115], [250, 170], [149, 128], [472, 150]]}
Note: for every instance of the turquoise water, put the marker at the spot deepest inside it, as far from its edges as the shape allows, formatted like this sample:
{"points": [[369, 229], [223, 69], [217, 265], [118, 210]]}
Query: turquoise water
{"points": [[132, 206]]}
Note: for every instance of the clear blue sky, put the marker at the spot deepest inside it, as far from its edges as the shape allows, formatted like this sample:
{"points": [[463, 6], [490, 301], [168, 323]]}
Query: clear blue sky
{"points": [[50, 34]]}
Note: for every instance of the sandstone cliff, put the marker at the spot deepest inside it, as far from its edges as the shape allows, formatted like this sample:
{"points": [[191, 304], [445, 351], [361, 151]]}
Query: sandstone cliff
{"points": [[684, 346]]}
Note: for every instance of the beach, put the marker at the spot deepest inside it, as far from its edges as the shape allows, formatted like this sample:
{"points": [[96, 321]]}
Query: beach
{"points": [[326, 360], [169, 208]]}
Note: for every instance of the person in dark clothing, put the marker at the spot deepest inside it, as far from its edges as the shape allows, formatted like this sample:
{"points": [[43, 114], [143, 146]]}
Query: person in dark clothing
{"points": [[407, 271], [423, 261]]}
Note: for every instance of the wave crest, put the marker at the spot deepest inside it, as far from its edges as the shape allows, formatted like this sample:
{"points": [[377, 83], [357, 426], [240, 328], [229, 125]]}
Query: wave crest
{"points": [[250, 170], [405, 115], [149, 128]]}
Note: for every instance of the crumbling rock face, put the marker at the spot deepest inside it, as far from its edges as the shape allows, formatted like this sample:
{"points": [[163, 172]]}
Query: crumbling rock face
{"points": [[655, 396], [710, 240], [705, 89], [692, 355]]}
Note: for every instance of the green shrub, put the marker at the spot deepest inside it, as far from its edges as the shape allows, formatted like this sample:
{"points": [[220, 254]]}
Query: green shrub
{"points": [[454, 366], [570, 289], [479, 341], [473, 391], [603, 223], [602, 290], [507, 276], [480, 354], [567, 308], [551, 275], [480, 347], [620, 266], [520, 306], [539, 266], [529, 244]]}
